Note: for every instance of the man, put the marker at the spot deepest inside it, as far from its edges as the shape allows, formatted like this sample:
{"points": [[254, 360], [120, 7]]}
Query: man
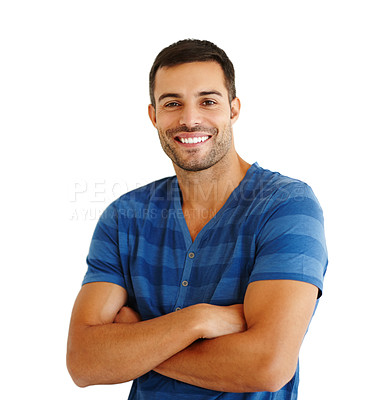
{"points": [[201, 285]]}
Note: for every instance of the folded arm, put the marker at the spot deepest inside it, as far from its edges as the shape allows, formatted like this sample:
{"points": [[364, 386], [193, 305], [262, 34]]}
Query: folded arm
{"points": [[103, 352], [262, 358]]}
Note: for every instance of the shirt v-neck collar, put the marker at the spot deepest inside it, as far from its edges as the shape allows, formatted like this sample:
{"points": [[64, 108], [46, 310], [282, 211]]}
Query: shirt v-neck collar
{"points": [[230, 203]]}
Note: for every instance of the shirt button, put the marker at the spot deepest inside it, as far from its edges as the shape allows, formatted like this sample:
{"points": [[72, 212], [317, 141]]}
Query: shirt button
{"points": [[184, 283], [191, 254]]}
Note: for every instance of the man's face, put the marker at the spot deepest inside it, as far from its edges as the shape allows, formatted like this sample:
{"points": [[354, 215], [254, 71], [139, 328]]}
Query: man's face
{"points": [[193, 115]]}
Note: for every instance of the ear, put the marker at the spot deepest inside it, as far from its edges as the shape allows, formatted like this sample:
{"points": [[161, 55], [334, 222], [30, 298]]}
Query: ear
{"points": [[235, 110], [152, 115]]}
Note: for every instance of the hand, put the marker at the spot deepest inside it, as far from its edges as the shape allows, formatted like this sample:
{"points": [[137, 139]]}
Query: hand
{"points": [[223, 320], [127, 315]]}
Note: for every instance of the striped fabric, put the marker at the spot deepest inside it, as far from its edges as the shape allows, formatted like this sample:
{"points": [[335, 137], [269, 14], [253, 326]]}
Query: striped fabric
{"points": [[271, 227]]}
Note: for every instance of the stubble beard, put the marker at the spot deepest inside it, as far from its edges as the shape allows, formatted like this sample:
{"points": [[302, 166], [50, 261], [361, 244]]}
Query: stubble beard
{"points": [[220, 146]]}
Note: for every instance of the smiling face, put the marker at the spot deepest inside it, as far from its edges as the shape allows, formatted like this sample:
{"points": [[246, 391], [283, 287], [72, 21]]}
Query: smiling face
{"points": [[193, 114]]}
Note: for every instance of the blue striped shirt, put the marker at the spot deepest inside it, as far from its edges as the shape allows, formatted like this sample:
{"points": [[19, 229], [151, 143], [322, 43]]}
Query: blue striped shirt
{"points": [[271, 227]]}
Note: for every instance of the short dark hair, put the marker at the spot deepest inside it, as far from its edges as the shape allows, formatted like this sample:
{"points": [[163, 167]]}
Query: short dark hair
{"points": [[193, 50]]}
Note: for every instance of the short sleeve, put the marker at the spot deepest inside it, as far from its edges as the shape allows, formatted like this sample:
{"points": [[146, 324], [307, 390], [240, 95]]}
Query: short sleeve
{"points": [[291, 241], [103, 260]]}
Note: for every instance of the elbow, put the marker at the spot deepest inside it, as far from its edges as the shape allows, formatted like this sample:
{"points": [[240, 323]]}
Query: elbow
{"points": [[270, 375], [275, 383], [77, 371], [85, 371], [276, 374], [79, 381], [77, 376]]}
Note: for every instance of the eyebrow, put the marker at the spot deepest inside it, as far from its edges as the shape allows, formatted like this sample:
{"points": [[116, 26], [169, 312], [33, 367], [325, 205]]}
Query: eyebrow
{"points": [[210, 93], [173, 95], [179, 96]]}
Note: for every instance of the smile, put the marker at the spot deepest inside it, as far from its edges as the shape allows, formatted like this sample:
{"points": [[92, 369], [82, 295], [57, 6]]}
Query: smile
{"points": [[193, 140]]}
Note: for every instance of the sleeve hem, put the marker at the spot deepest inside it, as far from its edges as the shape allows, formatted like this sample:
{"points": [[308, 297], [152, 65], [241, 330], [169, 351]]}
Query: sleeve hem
{"points": [[288, 276], [104, 278]]}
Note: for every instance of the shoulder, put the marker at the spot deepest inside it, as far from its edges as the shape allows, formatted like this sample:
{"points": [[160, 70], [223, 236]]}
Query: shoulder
{"points": [[272, 182], [135, 203], [290, 236], [273, 190], [152, 192]]}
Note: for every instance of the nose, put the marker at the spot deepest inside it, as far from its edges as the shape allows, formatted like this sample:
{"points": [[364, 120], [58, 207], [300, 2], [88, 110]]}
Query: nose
{"points": [[190, 116]]}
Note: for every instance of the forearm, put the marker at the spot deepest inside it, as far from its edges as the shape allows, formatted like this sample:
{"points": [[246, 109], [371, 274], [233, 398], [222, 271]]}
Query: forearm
{"points": [[114, 353], [233, 363]]}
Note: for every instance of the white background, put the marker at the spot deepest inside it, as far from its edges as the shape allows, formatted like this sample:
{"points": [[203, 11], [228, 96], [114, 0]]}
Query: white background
{"points": [[75, 135]]}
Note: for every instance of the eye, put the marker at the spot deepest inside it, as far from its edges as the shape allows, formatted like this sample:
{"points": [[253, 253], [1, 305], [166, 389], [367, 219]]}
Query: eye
{"points": [[172, 104], [209, 103]]}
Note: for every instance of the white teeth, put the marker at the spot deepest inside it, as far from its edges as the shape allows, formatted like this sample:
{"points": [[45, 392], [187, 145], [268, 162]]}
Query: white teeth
{"points": [[194, 140]]}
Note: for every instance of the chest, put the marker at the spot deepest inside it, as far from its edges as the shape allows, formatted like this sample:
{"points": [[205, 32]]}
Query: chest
{"points": [[197, 219], [165, 272], [195, 225]]}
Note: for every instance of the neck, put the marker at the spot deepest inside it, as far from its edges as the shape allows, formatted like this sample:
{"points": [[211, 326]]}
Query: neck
{"points": [[209, 189]]}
